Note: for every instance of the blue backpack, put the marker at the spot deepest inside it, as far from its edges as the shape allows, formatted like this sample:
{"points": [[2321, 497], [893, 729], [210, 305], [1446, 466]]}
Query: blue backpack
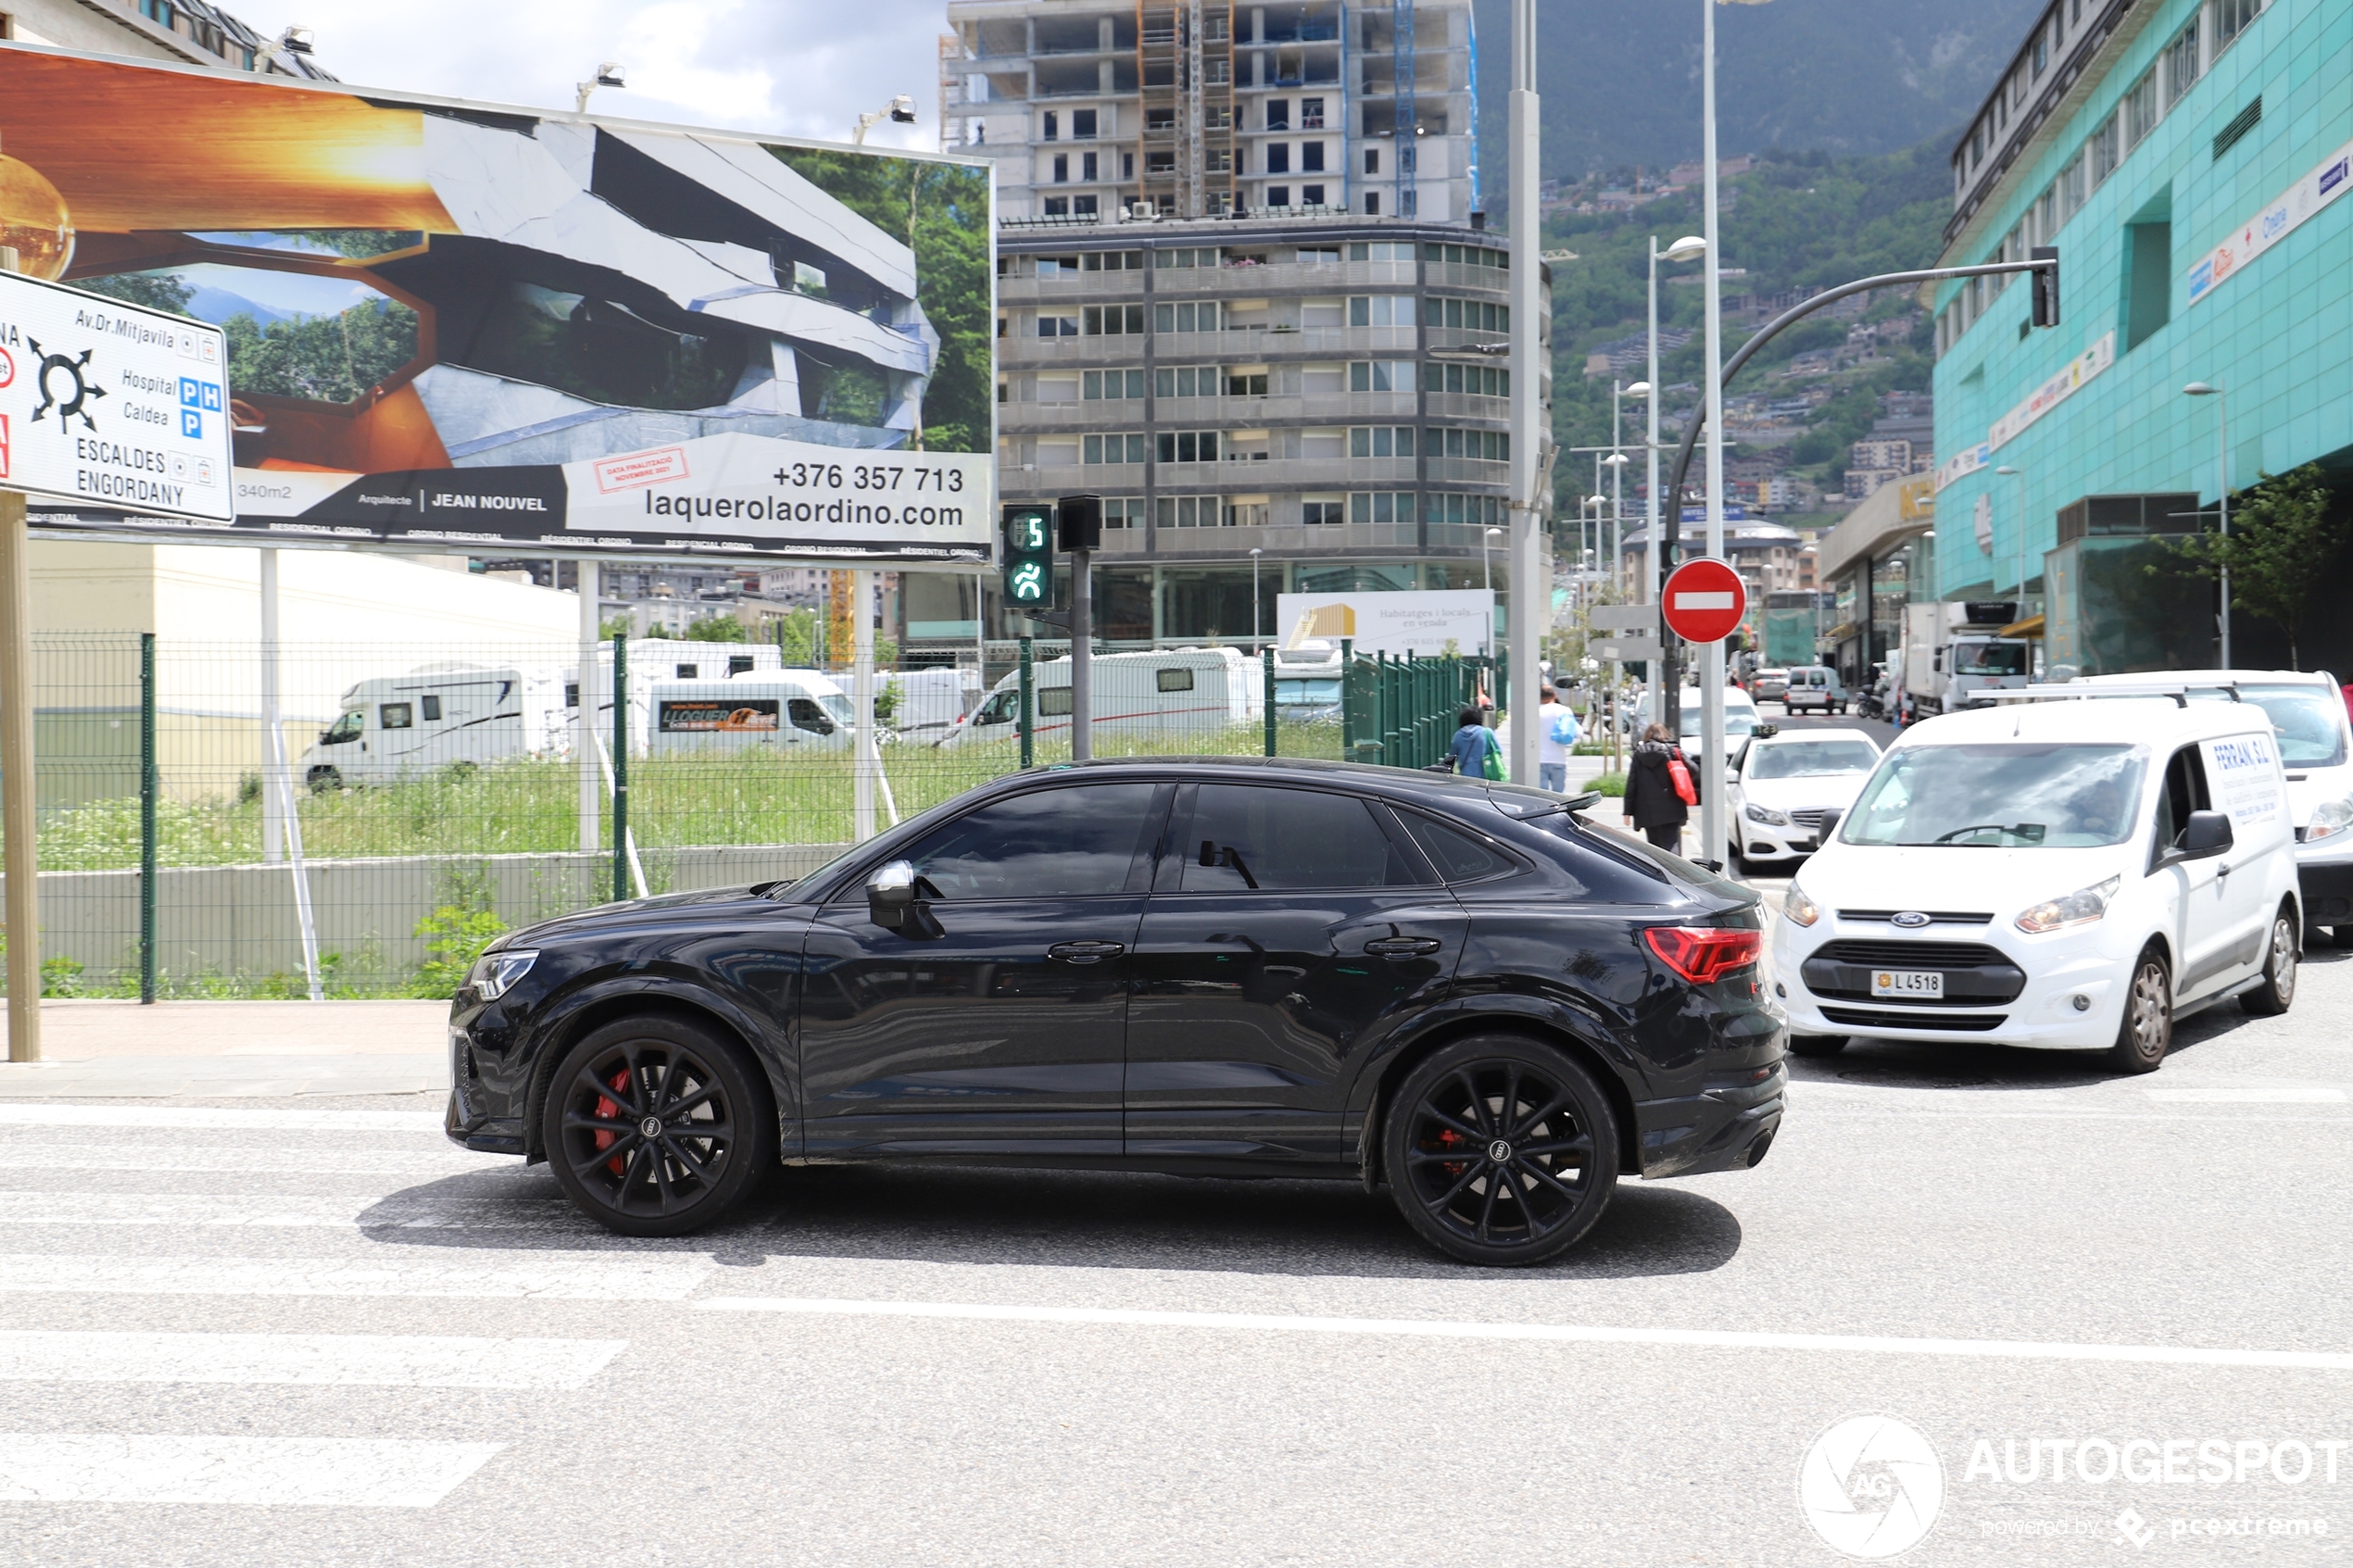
{"points": [[1563, 729]]}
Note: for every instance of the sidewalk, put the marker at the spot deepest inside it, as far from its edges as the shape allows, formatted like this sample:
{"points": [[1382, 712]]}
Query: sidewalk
{"points": [[233, 1049]]}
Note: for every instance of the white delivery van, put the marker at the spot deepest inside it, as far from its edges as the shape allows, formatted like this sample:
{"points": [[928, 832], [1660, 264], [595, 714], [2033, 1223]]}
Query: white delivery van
{"points": [[2308, 713], [2070, 875], [401, 726], [1814, 686], [930, 701], [784, 709], [1165, 695], [1786, 783]]}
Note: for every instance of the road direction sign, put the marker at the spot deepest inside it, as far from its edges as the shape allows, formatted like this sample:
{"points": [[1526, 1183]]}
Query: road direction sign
{"points": [[113, 405], [1626, 618], [1705, 600], [1624, 651]]}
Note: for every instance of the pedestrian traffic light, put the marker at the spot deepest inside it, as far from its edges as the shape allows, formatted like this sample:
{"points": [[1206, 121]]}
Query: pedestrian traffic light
{"points": [[1081, 521], [2047, 294], [1027, 561]]}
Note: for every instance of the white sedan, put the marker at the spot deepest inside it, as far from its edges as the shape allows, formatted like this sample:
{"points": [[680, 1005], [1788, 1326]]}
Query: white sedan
{"points": [[1787, 780]]}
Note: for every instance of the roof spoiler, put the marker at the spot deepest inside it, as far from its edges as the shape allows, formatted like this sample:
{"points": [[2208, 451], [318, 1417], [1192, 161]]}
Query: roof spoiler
{"points": [[2082, 691]]}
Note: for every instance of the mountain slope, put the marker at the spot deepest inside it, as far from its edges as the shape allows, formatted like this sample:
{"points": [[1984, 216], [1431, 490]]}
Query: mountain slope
{"points": [[1621, 81]]}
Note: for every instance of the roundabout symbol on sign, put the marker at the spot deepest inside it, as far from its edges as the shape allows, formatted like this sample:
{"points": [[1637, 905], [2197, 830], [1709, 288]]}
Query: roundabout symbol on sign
{"points": [[1705, 600]]}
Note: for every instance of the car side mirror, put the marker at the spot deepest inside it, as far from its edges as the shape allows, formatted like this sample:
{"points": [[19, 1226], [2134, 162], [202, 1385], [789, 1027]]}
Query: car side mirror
{"points": [[890, 895], [1829, 824], [2207, 833]]}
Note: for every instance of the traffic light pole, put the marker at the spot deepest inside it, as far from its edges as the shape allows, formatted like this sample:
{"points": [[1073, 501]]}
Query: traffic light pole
{"points": [[1082, 647], [2046, 260]]}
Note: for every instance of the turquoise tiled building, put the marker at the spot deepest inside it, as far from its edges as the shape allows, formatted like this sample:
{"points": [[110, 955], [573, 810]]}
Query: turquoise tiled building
{"points": [[2191, 160]]}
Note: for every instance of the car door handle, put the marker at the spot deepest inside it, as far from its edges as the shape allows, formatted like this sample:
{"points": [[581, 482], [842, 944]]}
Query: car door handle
{"points": [[1086, 952], [2222, 870], [1403, 946]]}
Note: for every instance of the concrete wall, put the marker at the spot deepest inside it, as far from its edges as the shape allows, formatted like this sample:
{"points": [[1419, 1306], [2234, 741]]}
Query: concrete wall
{"points": [[233, 921]]}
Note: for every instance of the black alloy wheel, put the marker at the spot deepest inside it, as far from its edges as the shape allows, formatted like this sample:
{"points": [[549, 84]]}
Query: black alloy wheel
{"points": [[2280, 955], [655, 1128], [1501, 1151], [2146, 1030]]}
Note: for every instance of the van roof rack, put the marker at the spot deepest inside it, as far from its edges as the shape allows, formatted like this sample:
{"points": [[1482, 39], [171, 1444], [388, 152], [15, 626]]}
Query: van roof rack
{"points": [[2081, 691]]}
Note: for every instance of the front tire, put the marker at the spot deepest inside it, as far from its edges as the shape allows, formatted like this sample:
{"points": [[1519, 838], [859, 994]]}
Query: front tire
{"points": [[656, 1127], [1501, 1151], [2146, 1030], [2278, 990]]}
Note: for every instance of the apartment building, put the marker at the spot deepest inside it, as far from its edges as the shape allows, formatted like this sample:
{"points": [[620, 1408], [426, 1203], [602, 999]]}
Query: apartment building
{"points": [[1205, 107], [1319, 404], [179, 32]]}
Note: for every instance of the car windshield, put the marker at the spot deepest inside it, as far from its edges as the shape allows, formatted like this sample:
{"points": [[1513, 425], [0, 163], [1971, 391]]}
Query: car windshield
{"points": [[1810, 758], [347, 727], [2309, 722], [1989, 659], [839, 705], [2000, 796], [1738, 720]]}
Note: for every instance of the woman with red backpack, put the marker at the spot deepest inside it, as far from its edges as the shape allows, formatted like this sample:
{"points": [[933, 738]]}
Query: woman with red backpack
{"points": [[1661, 788]]}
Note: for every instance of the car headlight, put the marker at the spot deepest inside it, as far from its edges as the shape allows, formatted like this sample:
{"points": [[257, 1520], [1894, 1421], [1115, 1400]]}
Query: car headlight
{"points": [[1767, 815], [494, 975], [2329, 819], [2079, 907], [1798, 907]]}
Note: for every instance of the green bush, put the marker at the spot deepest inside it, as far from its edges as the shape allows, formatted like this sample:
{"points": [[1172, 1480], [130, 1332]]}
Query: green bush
{"points": [[454, 938], [1610, 784]]}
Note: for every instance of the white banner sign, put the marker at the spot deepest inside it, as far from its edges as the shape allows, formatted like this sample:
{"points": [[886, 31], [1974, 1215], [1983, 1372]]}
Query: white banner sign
{"points": [[105, 403], [2274, 223], [1396, 622]]}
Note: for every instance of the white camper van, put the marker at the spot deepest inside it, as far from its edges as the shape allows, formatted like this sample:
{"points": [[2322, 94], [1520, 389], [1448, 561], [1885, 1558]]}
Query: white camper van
{"points": [[792, 710], [1167, 695], [400, 726], [931, 701]]}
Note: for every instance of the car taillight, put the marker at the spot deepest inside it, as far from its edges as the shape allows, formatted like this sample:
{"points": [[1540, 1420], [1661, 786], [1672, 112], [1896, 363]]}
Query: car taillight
{"points": [[1703, 954]]}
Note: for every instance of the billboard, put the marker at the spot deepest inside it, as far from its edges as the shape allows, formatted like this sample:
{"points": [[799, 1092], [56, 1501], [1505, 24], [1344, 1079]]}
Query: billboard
{"points": [[1421, 622], [461, 327], [713, 715]]}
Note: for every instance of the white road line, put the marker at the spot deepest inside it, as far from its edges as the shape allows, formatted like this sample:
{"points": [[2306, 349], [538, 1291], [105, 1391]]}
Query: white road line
{"points": [[1432, 1328], [2247, 1093], [261, 1158], [659, 1276], [315, 1472], [39, 1114], [273, 1209], [382, 1359]]}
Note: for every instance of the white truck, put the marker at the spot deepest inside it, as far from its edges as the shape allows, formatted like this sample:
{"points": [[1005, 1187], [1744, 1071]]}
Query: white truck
{"points": [[1167, 696], [402, 727], [1955, 656]]}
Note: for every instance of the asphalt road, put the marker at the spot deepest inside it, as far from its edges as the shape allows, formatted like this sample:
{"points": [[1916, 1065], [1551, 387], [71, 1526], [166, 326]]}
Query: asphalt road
{"points": [[309, 1332]]}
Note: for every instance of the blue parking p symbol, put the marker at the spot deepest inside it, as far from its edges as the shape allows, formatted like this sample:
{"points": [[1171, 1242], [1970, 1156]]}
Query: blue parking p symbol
{"points": [[192, 424]]}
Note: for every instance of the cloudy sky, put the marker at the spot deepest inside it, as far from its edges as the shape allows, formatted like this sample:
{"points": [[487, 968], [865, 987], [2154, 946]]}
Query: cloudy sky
{"points": [[799, 68]]}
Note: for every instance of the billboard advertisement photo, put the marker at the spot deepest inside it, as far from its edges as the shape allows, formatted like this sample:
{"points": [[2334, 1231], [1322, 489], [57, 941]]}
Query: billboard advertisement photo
{"points": [[463, 326]]}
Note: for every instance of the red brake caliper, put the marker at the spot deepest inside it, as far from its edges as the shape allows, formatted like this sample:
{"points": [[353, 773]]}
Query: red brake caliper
{"points": [[1447, 1140], [604, 1112]]}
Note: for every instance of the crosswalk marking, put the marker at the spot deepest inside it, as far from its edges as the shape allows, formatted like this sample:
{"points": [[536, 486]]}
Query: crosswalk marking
{"points": [[270, 1211], [655, 1276], [1433, 1328], [316, 1472], [42, 1113], [390, 1359]]}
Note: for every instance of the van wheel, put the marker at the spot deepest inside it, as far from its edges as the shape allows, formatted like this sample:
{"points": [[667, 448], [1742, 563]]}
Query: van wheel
{"points": [[323, 778], [2278, 990], [2146, 1030], [1817, 1045]]}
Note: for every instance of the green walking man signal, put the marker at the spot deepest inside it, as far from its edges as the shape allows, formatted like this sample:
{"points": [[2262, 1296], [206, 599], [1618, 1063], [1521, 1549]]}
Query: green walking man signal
{"points": [[1027, 561]]}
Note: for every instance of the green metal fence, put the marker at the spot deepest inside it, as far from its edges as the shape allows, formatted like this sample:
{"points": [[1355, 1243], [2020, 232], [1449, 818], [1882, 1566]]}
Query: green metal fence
{"points": [[1402, 711]]}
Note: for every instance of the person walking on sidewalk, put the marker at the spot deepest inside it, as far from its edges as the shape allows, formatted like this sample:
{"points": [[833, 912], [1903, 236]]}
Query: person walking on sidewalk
{"points": [[1475, 752], [1652, 803], [1557, 735]]}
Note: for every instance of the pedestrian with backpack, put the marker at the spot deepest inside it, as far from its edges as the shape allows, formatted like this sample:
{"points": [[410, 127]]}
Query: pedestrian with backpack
{"points": [[1556, 735], [1660, 789], [1475, 752]]}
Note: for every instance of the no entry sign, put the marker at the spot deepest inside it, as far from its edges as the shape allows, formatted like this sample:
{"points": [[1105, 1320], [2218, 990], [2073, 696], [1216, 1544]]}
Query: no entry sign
{"points": [[1705, 600]]}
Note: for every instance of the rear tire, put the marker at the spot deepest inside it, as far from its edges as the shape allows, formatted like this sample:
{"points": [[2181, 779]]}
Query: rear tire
{"points": [[1555, 1132], [2278, 991], [713, 1121], [2146, 1030], [1817, 1045]]}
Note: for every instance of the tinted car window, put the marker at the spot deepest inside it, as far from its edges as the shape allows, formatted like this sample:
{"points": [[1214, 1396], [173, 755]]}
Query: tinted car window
{"points": [[1457, 855], [1047, 844], [1278, 839]]}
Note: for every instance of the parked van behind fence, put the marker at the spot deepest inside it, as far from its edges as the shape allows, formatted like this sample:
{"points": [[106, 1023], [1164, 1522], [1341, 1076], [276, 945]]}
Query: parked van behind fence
{"points": [[1167, 695], [780, 709], [400, 726]]}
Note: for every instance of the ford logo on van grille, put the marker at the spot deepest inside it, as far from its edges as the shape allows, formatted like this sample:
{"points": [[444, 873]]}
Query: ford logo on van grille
{"points": [[1910, 920]]}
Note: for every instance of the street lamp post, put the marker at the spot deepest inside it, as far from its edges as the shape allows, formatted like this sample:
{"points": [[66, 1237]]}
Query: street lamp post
{"points": [[2222, 482], [2008, 472], [1487, 581], [1527, 381], [1711, 692]]}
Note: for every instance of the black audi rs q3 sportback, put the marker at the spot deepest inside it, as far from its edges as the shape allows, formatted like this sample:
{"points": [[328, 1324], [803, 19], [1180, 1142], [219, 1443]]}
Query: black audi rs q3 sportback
{"points": [[1206, 967]]}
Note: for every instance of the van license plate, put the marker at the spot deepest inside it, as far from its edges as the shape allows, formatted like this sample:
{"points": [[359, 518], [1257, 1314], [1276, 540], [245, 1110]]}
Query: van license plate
{"points": [[1916, 982]]}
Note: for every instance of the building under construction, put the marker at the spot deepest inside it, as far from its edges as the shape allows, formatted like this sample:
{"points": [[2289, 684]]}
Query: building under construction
{"points": [[1109, 113]]}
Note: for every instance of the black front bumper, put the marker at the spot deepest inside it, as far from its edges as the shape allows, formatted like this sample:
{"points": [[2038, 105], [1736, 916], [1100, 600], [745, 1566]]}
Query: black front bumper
{"points": [[2328, 893], [1727, 1127], [465, 1123]]}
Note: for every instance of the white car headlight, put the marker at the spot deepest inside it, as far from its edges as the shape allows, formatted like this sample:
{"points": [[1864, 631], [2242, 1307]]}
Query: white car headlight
{"points": [[2329, 819], [1767, 815], [1799, 908], [2080, 908], [494, 975]]}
